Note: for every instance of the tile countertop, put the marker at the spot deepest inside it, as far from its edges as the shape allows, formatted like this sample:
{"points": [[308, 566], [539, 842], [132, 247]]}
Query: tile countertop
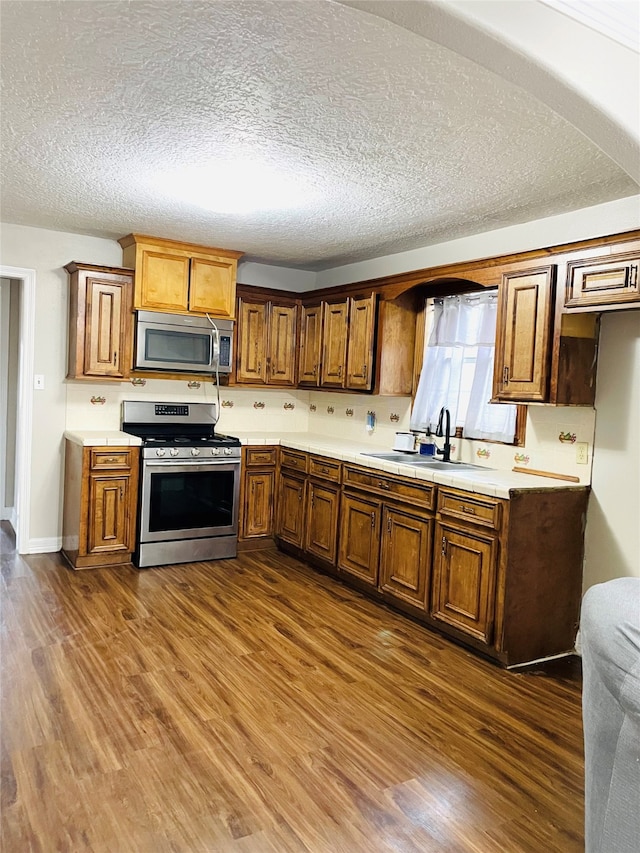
{"points": [[484, 481], [102, 438]]}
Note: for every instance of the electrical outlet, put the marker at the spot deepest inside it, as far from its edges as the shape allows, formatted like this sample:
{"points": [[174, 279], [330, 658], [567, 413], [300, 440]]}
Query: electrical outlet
{"points": [[582, 453]]}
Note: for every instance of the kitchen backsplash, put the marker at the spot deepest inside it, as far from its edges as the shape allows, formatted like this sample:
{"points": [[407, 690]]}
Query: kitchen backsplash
{"points": [[552, 439]]}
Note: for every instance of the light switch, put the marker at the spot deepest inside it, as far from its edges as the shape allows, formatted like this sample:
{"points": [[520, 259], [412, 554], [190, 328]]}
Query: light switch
{"points": [[38, 381]]}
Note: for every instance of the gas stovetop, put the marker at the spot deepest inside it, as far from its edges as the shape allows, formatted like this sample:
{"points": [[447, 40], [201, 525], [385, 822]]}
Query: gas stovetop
{"points": [[178, 430]]}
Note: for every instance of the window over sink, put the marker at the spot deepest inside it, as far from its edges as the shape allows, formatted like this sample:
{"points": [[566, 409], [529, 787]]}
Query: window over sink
{"points": [[457, 369]]}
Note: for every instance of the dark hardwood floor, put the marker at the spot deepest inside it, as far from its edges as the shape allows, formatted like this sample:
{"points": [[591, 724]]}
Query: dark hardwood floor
{"points": [[255, 705]]}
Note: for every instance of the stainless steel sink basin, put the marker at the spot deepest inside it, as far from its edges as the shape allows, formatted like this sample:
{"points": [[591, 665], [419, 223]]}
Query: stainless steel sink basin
{"points": [[415, 460]]}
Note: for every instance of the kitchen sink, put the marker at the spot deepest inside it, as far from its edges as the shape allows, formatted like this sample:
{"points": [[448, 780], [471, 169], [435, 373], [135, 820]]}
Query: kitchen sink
{"points": [[416, 460]]}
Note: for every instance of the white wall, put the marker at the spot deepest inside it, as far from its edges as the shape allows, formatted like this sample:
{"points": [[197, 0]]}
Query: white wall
{"points": [[612, 545]]}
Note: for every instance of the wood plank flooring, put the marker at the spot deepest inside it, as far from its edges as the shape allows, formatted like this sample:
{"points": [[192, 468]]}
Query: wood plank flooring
{"points": [[253, 705]]}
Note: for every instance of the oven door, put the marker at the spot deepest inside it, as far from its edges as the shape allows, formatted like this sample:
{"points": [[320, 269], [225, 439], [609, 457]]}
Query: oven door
{"points": [[188, 500]]}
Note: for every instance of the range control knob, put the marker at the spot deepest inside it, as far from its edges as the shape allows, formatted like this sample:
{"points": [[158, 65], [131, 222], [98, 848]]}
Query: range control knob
{"points": [[228, 451], [174, 451], [160, 451], [215, 451], [195, 451]]}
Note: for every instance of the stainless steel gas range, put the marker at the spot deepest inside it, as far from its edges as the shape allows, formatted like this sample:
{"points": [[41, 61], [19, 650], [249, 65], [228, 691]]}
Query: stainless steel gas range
{"points": [[189, 483]]}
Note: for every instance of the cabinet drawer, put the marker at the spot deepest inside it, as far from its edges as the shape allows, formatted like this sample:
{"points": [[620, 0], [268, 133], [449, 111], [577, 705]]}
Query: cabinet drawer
{"points": [[420, 494], [603, 281], [325, 469], [104, 459], [478, 509], [294, 459], [255, 456]]}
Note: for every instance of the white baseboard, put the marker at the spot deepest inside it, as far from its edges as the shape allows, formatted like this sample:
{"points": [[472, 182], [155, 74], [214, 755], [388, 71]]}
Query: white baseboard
{"points": [[8, 513], [44, 546]]}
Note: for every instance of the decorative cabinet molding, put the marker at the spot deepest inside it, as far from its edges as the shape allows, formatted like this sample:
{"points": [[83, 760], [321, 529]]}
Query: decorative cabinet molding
{"points": [[181, 278], [100, 322], [100, 505]]}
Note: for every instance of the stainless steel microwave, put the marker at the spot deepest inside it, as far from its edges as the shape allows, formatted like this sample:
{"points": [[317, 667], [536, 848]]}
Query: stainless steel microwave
{"points": [[181, 342]]}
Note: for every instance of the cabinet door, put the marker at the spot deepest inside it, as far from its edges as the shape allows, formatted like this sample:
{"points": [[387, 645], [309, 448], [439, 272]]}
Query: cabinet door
{"points": [[108, 514], [360, 344], [605, 282], [281, 358], [162, 281], [212, 286], [291, 509], [334, 346], [523, 354], [251, 365], [310, 346], [405, 560], [107, 329], [464, 576], [360, 538], [322, 522], [257, 508]]}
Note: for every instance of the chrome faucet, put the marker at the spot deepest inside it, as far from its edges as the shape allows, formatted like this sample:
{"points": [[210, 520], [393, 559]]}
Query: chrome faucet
{"points": [[446, 448]]}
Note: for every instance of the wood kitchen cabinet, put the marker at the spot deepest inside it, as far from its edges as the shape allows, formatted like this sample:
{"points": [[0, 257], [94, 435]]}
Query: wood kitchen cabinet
{"points": [[100, 322], [257, 496], [267, 342], [181, 278], [542, 355], [465, 562], [100, 505], [308, 505], [335, 318], [603, 283], [385, 534], [310, 352], [348, 338]]}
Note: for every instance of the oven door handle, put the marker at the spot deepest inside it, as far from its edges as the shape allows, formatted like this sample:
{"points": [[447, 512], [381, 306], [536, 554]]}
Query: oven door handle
{"points": [[200, 465]]}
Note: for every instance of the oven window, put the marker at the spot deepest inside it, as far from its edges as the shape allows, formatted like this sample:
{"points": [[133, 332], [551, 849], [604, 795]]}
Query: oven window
{"points": [[177, 347], [191, 500]]}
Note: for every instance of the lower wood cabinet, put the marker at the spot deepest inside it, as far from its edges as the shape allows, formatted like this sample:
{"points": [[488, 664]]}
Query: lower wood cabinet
{"points": [[503, 577], [257, 495], [385, 539], [100, 505]]}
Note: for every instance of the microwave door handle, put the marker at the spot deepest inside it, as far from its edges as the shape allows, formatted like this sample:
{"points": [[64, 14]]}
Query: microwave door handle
{"points": [[215, 344]]}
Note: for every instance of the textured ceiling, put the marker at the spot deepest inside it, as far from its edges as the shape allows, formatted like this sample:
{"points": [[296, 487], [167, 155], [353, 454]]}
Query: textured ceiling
{"points": [[397, 142]]}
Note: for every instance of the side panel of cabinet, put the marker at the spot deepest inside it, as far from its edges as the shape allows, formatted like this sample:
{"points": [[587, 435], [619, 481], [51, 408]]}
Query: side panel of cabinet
{"points": [[322, 521], [361, 341], [108, 510], [251, 363], [334, 347], [524, 324], [405, 561], [282, 344], [360, 538], [162, 281], [464, 576], [257, 510], [310, 346], [105, 327], [291, 509], [212, 286]]}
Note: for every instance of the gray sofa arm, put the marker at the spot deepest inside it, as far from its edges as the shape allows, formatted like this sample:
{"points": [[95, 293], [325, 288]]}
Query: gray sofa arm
{"points": [[610, 641]]}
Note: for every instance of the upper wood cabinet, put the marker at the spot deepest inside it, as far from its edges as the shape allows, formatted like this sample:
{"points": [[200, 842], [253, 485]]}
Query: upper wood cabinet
{"points": [[603, 283], [100, 322], [360, 343], [310, 352], [523, 333], [335, 317], [267, 337], [348, 337], [181, 278]]}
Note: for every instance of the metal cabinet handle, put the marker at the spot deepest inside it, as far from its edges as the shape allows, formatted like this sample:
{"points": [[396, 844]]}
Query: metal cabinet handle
{"points": [[389, 526], [373, 519], [111, 459], [382, 485], [633, 277], [444, 546], [505, 375], [364, 369], [468, 509], [339, 370]]}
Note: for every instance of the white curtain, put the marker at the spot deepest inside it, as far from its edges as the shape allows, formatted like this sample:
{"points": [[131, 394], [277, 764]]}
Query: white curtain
{"points": [[457, 371]]}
